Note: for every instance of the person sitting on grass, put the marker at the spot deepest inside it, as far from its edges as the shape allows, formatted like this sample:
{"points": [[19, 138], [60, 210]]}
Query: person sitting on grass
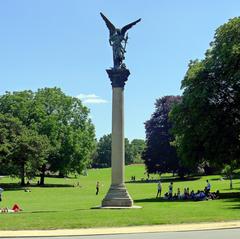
{"points": [[200, 195], [192, 195], [214, 195], [175, 196], [166, 196], [178, 193]]}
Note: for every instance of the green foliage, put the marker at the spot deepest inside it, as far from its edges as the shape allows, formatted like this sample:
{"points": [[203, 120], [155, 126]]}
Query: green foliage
{"points": [[207, 122], [22, 150], [138, 146], [159, 155], [129, 157], [62, 120], [102, 156]]}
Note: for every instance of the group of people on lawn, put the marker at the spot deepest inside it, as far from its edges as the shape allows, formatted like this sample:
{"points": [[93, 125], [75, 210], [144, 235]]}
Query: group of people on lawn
{"points": [[187, 195]]}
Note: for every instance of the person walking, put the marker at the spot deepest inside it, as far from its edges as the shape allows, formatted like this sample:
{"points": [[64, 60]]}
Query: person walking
{"points": [[97, 188], [159, 189], [1, 190]]}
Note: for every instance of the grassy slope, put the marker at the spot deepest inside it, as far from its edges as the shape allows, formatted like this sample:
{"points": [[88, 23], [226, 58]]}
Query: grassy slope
{"points": [[69, 207]]}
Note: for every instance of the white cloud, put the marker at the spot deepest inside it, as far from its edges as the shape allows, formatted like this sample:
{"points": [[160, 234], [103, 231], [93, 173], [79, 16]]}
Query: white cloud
{"points": [[91, 99]]}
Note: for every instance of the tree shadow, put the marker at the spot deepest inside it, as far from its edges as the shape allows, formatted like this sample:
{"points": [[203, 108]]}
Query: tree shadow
{"points": [[165, 180], [234, 199], [54, 211], [216, 179], [229, 197], [17, 186]]}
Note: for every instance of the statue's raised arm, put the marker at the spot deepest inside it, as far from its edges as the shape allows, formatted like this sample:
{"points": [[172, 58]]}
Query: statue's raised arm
{"points": [[118, 41]]}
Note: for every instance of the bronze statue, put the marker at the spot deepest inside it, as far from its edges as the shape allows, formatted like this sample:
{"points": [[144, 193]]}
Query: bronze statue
{"points": [[118, 41]]}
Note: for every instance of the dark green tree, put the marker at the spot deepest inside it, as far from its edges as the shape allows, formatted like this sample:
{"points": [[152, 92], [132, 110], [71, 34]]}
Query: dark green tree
{"points": [[207, 121], [159, 155], [22, 151]]}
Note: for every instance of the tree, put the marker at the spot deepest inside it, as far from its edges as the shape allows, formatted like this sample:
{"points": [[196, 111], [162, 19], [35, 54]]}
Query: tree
{"points": [[228, 171], [103, 153], [18, 105], [138, 146], [29, 154], [129, 157], [62, 119], [10, 127], [206, 124], [102, 158], [22, 151], [159, 155]]}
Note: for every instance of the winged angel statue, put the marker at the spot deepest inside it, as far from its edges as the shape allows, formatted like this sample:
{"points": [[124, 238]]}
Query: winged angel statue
{"points": [[118, 40]]}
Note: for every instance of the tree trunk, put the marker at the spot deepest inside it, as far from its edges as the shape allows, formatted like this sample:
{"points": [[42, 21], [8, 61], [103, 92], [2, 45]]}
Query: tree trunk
{"points": [[22, 174], [42, 175], [231, 186]]}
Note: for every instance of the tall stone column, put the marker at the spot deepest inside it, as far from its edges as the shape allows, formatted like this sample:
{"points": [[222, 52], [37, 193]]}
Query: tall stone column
{"points": [[117, 195]]}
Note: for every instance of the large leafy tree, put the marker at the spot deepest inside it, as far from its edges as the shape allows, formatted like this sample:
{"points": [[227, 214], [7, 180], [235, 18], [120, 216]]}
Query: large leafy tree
{"points": [[62, 119], [66, 123], [159, 155], [207, 121], [22, 150]]}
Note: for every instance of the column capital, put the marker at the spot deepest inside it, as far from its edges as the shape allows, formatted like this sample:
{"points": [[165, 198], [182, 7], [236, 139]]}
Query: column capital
{"points": [[118, 77]]}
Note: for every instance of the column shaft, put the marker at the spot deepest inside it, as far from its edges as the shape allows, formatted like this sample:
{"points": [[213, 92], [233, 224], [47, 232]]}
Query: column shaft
{"points": [[118, 152]]}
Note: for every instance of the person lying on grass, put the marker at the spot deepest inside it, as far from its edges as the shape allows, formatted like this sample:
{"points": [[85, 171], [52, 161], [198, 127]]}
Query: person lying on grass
{"points": [[15, 208]]}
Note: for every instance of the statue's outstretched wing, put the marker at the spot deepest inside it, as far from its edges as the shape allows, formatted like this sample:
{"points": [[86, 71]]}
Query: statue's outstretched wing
{"points": [[128, 26], [110, 26]]}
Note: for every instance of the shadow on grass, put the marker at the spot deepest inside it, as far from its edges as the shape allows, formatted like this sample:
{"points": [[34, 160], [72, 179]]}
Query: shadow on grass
{"points": [[16, 186], [234, 199], [229, 197], [55, 211], [165, 180], [216, 179]]}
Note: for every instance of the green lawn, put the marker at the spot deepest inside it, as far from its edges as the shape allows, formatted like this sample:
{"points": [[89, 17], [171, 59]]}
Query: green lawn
{"points": [[60, 205]]}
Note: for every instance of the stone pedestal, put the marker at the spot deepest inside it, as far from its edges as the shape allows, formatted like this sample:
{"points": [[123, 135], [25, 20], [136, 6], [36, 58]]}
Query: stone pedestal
{"points": [[117, 195]]}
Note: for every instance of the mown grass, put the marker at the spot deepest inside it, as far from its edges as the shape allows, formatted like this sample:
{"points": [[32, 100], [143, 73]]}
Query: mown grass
{"points": [[61, 205]]}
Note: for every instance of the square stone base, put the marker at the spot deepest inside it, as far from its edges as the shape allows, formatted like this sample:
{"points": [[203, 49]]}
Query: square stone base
{"points": [[117, 196]]}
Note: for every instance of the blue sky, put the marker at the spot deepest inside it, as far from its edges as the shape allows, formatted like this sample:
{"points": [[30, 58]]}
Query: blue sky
{"points": [[64, 43]]}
